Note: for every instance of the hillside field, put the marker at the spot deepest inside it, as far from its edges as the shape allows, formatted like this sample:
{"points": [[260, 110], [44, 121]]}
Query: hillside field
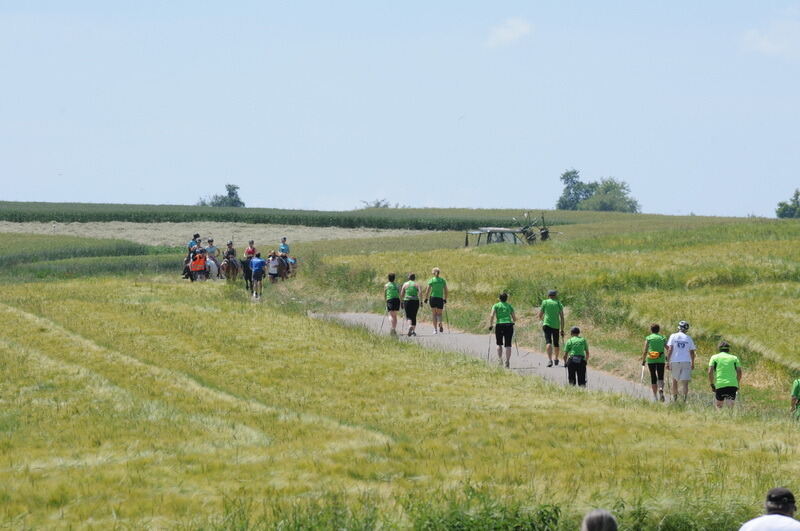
{"points": [[132, 398]]}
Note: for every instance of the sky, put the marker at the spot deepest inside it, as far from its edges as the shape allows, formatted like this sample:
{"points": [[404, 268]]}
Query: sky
{"points": [[324, 105]]}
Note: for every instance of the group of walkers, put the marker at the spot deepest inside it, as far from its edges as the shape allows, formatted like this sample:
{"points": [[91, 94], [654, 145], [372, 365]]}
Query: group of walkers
{"points": [[208, 261], [407, 297], [676, 353]]}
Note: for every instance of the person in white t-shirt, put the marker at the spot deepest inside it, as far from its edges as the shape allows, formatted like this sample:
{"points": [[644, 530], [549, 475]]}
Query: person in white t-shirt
{"points": [[680, 360], [779, 508]]}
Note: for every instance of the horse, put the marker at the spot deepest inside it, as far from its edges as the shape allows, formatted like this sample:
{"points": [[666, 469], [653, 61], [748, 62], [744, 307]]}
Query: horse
{"points": [[230, 268], [247, 273], [212, 270], [283, 268]]}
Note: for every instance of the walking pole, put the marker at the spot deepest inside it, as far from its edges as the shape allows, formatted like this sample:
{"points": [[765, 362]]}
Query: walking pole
{"points": [[382, 320], [447, 318], [489, 348]]}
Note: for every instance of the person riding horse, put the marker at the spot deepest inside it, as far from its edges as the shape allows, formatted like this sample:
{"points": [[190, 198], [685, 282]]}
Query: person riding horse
{"points": [[230, 264]]}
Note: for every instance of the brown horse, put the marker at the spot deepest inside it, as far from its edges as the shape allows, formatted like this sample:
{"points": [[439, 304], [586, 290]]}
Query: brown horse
{"points": [[230, 268]]}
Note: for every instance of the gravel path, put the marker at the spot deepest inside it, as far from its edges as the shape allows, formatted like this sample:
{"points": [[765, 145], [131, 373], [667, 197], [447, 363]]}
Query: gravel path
{"points": [[524, 360]]}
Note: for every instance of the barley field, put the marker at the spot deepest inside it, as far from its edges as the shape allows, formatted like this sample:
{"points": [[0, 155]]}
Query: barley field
{"points": [[134, 399], [157, 404]]}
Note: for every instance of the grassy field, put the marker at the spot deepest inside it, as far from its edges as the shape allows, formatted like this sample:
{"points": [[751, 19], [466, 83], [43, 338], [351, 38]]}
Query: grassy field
{"points": [[134, 399], [165, 404]]}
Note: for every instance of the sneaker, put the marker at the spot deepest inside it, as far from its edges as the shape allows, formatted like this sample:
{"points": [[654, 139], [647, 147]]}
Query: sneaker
{"points": [[413, 333], [435, 332], [508, 365], [661, 395], [550, 363], [556, 362], [410, 332], [441, 328]]}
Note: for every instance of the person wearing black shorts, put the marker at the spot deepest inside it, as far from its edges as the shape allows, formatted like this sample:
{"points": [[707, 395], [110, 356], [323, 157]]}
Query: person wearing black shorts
{"points": [[504, 331], [551, 312], [409, 294], [392, 295]]}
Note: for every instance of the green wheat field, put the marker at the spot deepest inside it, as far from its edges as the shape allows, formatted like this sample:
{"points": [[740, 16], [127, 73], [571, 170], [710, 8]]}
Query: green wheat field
{"points": [[133, 399]]}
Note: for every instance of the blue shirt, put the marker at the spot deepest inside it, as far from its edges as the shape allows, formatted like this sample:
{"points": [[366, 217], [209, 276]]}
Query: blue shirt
{"points": [[257, 264], [283, 248], [191, 244]]}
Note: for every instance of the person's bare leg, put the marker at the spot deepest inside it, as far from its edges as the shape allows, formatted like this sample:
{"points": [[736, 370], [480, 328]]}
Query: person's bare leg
{"points": [[549, 350], [674, 389], [500, 354], [685, 389], [393, 316], [508, 356], [654, 387]]}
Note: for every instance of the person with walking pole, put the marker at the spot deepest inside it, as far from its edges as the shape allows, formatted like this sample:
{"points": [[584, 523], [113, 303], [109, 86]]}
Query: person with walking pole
{"points": [[437, 291], [576, 356], [409, 294], [724, 375], [504, 331], [551, 312], [392, 294], [680, 360], [653, 356]]}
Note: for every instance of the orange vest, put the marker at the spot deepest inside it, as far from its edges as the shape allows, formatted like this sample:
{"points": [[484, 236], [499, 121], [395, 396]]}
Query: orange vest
{"points": [[198, 262]]}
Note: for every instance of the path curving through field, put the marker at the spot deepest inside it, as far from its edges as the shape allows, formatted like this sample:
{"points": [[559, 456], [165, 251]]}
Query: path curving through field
{"points": [[524, 361]]}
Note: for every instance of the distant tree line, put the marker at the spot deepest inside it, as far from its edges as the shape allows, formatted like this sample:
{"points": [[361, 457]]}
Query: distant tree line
{"points": [[790, 208], [606, 195], [230, 199]]}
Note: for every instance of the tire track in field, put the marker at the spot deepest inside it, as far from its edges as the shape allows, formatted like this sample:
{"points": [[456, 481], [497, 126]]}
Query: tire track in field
{"points": [[360, 437], [244, 436]]}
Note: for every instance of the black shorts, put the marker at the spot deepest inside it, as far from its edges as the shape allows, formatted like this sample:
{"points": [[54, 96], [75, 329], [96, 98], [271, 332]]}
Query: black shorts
{"points": [[503, 332], [656, 372], [550, 335], [437, 302], [726, 393], [258, 275], [392, 305], [273, 275]]}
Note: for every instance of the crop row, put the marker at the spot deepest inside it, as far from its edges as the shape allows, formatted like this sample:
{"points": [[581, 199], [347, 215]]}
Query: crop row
{"points": [[382, 218]]}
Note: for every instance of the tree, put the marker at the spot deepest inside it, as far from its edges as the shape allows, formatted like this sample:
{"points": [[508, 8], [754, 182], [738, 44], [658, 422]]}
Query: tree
{"points": [[791, 208], [575, 191], [610, 195], [607, 195], [231, 199]]}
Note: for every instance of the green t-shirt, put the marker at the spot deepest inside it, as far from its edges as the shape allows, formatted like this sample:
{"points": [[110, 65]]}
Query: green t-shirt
{"points": [[724, 369], [503, 311], [552, 308], [796, 389], [412, 291], [391, 291], [437, 285], [576, 346], [655, 343]]}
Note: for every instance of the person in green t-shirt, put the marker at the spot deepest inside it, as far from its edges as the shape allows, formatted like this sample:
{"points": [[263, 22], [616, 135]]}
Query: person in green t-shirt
{"points": [[392, 294], [437, 291], [724, 375], [796, 397], [409, 297], [653, 356], [504, 331], [551, 312], [576, 355]]}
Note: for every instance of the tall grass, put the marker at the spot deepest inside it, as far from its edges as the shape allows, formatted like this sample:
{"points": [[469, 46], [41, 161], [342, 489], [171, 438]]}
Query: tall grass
{"points": [[153, 403]]}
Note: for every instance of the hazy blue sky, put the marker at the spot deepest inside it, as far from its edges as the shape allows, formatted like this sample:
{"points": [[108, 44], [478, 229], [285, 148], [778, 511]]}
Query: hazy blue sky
{"points": [[477, 104]]}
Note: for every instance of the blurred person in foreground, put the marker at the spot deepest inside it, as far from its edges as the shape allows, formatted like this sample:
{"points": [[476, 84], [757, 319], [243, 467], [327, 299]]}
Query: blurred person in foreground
{"points": [[779, 509], [599, 520]]}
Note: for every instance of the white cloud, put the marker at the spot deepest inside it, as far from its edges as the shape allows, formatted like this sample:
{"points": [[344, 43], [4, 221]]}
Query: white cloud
{"points": [[779, 38], [512, 30]]}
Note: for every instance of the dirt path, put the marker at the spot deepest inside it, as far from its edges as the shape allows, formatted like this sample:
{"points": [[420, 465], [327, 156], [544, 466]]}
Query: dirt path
{"points": [[524, 361]]}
